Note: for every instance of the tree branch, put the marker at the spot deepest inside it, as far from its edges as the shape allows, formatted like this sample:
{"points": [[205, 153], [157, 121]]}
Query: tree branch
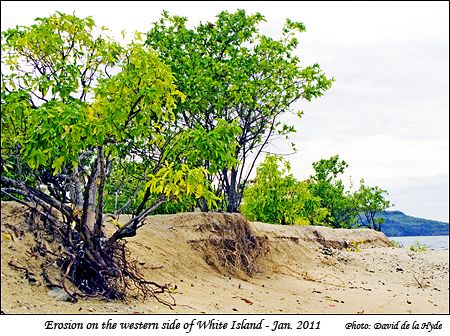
{"points": [[129, 228], [37, 195]]}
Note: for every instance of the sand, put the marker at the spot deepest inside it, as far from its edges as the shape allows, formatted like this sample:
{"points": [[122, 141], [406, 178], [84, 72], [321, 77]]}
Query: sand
{"points": [[308, 270]]}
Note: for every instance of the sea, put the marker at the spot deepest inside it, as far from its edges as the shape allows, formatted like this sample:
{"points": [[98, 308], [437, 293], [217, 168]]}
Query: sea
{"points": [[438, 243]]}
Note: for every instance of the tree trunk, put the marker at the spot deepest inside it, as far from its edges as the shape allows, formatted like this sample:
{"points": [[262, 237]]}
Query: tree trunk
{"points": [[100, 183], [88, 216], [233, 193]]}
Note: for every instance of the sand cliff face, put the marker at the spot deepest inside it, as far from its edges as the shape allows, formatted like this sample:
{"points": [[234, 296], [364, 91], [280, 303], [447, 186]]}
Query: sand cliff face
{"points": [[324, 236], [290, 269]]}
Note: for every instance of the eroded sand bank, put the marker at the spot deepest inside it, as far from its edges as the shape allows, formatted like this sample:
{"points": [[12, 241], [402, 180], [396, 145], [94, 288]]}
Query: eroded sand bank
{"points": [[306, 270]]}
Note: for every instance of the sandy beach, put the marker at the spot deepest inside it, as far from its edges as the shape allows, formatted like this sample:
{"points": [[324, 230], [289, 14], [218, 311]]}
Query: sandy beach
{"points": [[305, 270]]}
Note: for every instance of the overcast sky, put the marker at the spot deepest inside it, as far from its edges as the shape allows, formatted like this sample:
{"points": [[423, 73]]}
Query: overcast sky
{"points": [[387, 112]]}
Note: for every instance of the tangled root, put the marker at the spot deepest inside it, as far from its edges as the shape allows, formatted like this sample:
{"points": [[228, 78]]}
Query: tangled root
{"points": [[85, 268], [232, 248]]}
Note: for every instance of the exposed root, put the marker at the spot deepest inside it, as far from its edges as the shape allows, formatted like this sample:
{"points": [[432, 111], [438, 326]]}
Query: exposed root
{"points": [[243, 299], [30, 276], [49, 282], [420, 281], [306, 276], [88, 269], [232, 247], [332, 276]]}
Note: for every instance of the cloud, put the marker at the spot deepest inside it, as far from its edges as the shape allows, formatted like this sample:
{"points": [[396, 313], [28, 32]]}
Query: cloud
{"points": [[422, 197]]}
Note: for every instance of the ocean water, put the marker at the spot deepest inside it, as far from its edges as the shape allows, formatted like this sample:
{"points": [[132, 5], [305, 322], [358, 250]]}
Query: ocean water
{"points": [[438, 243]]}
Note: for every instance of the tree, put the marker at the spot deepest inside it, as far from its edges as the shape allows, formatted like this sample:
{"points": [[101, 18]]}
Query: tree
{"points": [[229, 71], [325, 184], [79, 110], [188, 146], [277, 197], [370, 201]]}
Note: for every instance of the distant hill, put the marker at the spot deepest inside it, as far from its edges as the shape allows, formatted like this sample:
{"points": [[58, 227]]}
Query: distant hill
{"points": [[398, 224]]}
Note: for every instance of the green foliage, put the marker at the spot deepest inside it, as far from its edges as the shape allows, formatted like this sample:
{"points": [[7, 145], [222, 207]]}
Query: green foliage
{"points": [[355, 246], [43, 67], [210, 149], [275, 196], [347, 209], [326, 185], [394, 243], [416, 247], [328, 169], [61, 74], [124, 190], [229, 71], [370, 201], [184, 148], [71, 96], [183, 181]]}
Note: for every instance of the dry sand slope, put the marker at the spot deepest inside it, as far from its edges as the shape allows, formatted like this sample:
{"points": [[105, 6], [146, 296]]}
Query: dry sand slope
{"points": [[303, 270]]}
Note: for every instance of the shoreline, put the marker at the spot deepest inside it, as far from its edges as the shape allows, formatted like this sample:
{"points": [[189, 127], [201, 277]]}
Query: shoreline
{"points": [[432, 243]]}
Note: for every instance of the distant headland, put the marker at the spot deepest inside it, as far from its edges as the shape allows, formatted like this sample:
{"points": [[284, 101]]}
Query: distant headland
{"points": [[398, 224]]}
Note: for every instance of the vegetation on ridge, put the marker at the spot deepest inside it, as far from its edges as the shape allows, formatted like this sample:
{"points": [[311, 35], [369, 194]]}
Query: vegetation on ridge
{"points": [[91, 126], [276, 196]]}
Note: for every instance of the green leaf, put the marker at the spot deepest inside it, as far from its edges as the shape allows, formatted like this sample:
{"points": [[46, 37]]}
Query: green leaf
{"points": [[57, 164]]}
